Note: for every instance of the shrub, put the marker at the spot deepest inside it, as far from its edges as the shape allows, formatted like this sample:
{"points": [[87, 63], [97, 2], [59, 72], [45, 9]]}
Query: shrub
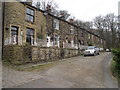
{"points": [[90, 44], [39, 36], [116, 63]]}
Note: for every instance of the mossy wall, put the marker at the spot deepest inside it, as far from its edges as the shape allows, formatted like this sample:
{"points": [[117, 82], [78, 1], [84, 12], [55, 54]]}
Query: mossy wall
{"points": [[31, 54], [17, 54]]}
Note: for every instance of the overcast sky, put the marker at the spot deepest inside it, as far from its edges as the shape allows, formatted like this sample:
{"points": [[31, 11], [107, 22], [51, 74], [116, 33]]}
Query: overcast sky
{"points": [[87, 9]]}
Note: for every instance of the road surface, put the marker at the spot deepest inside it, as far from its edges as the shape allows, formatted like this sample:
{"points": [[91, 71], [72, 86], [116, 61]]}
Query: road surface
{"points": [[76, 72]]}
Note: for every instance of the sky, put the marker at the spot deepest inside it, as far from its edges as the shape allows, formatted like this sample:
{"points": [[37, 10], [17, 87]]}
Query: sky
{"points": [[87, 10]]}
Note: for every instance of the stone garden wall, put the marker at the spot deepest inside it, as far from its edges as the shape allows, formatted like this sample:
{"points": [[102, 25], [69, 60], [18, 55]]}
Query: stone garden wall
{"points": [[31, 54]]}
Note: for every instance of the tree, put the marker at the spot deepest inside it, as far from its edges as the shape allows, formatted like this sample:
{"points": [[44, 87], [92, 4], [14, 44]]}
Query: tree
{"points": [[86, 25], [107, 28], [45, 5], [64, 14]]}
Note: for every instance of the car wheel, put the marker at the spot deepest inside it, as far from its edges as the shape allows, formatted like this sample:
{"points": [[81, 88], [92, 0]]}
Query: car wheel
{"points": [[94, 54], [98, 53]]}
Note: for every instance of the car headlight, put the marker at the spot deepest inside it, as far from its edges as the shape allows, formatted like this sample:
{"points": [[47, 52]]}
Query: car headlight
{"points": [[92, 52]]}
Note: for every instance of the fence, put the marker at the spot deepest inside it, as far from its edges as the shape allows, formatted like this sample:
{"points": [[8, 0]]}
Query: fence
{"points": [[41, 43]]}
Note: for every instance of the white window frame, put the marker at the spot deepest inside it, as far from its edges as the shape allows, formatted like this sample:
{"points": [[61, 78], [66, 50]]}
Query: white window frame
{"points": [[32, 42], [72, 29], [89, 36], [56, 24], [30, 16], [14, 39], [57, 40]]}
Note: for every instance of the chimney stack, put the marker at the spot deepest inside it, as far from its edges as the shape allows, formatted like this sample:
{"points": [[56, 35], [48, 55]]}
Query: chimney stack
{"points": [[71, 20], [29, 2], [62, 16], [48, 8]]}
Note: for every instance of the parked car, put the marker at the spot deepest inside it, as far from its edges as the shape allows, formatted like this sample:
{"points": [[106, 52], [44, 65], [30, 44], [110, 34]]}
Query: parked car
{"points": [[101, 49], [108, 50], [91, 50]]}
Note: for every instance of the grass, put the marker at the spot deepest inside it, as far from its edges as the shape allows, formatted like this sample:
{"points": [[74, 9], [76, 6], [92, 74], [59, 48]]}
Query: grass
{"points": [[30, 68], [39, 67], [115, 72]]}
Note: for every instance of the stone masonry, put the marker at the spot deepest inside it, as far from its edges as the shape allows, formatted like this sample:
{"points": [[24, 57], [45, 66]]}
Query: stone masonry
{"points": [[43, 26], [16, 17]]}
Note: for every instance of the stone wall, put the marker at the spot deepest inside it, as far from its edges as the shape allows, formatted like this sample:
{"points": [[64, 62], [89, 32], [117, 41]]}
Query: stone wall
{"points": [[43, 25], [15, 15], [31, 54], [17, 54]]}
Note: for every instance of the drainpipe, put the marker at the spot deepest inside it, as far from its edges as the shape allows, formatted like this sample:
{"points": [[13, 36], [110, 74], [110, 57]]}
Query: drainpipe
{"points": [[3, 17], [53, 31], [61, 42], [46, 15], [78, 41]]}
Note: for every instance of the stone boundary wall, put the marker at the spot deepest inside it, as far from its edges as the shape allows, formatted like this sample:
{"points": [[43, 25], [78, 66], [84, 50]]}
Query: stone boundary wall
{"points": [[32, 54]]}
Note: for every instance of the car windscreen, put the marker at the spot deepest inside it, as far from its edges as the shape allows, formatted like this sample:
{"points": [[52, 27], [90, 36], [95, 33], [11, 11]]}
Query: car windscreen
{"points": [[91, 47]]}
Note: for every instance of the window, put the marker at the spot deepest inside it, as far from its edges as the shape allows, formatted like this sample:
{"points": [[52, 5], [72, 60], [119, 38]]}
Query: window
{"points": [[14, 35], [47, 40], [30, 15], [82, 34], [101, 41], [72, 30], [89, 36], [30, 36], [82, 42], [56, 24], [56, 39]]}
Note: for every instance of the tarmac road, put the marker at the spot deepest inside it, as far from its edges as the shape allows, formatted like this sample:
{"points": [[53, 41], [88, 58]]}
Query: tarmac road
{"points": [[77, 72]]}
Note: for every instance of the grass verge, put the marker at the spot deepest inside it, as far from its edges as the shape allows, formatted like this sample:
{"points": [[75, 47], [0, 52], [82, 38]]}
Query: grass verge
{"points": [[30, 67], [115, 72]]}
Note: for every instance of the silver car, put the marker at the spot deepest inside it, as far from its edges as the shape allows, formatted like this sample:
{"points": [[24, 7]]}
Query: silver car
{"points": [[91, 50]]}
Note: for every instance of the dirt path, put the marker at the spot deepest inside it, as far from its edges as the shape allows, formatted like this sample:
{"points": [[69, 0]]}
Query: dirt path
{"points": [[77, 72]]}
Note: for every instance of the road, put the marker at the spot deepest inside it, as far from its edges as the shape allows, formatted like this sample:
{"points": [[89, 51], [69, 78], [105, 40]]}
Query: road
{"points": [[76, 72], [0, 74]]}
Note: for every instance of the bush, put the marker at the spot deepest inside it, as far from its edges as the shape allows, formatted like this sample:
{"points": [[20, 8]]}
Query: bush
{"points": [[90, 44], [116, 63]]}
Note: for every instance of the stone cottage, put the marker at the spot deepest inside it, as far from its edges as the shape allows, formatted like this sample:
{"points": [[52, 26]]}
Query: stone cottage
{"points": [[26, 24]]}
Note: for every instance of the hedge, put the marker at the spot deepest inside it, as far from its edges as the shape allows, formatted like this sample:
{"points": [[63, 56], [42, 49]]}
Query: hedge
{"points": [[116, 63]]}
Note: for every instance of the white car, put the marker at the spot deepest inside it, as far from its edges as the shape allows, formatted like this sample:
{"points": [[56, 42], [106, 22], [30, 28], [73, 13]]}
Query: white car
{"points": [[101, 49], [107, 50], [91, 50]]}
